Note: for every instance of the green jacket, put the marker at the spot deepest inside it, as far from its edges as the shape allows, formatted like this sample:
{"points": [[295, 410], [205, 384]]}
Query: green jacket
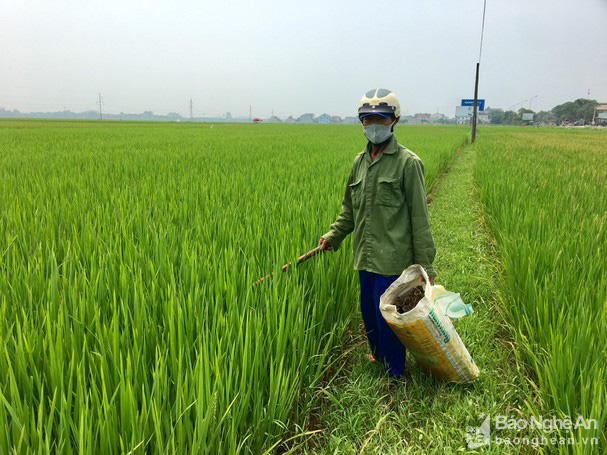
{"points": [[385, 205]]}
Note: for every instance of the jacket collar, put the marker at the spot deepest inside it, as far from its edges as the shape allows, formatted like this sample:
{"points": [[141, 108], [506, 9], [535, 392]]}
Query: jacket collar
{"points": [[390, 148]]}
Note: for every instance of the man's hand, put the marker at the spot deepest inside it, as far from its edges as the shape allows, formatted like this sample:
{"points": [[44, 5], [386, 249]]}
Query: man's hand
{"points": [[325, 245]]}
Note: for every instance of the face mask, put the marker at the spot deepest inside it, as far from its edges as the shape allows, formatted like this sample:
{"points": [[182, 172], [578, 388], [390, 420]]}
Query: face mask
{"points": [[377, 133]]}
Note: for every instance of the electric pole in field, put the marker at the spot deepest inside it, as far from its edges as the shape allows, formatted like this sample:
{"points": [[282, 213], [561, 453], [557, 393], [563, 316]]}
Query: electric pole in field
{"points": [[250, 108], [100, 102], [191, 111], [594, 116], [478, 64]]}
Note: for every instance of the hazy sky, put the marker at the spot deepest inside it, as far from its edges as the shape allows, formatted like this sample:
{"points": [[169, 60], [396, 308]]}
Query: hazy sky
{"points": [[296, 57]]}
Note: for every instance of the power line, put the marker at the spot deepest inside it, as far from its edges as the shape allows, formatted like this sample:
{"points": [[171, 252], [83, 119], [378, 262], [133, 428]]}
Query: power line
{"points": [[478, 64], [482, 32]]}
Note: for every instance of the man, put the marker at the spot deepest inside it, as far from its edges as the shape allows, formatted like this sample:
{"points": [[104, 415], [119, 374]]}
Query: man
{"points": [[385, 206]]}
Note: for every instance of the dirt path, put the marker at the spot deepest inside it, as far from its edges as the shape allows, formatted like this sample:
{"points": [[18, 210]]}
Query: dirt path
{"points": [[362, 411]]}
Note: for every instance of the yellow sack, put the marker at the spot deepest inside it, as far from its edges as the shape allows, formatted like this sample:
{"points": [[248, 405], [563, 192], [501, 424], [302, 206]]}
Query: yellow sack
{"points": [[426, 330]]}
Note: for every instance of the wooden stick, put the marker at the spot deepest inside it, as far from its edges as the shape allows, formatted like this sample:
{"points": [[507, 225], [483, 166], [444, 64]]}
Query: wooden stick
{"points": [[300, 259]]}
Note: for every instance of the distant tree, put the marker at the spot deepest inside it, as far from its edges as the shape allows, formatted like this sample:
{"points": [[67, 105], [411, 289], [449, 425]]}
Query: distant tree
{"points": [[497, 116], [575, 110], [545, 117], [511, 118], [9, 113], [565, 111]]}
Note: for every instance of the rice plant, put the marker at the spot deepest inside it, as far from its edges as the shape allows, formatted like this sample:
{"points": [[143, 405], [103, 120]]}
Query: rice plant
{"points": [[545, 193], [129, 323]]}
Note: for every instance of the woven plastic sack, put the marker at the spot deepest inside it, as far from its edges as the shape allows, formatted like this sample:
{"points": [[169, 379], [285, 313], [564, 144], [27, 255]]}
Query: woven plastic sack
{"points": [[426, 330]]}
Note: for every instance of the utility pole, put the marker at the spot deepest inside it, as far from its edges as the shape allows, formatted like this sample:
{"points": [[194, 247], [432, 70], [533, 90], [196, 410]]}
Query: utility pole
{"points": [[594, 116], [64, 112], [250, 112], [478, 64], [191, 111], [473, 135], [100, 102]]}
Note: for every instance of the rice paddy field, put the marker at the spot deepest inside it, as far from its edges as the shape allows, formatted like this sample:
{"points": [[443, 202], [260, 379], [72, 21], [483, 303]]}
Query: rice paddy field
{"points": [[129, 253], [129, 322], [545, 195]]}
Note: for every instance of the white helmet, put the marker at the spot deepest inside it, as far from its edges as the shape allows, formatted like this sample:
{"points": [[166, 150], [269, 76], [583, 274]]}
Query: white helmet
{"points": [[379, 101]]}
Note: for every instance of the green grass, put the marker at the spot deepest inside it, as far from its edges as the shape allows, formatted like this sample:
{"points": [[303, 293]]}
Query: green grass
{"points": [[129, 323], [364, 411], [545, 193]]}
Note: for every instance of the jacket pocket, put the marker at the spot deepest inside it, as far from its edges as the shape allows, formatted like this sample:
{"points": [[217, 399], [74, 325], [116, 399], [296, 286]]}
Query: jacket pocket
{"points": [[356, 192], [389, 192]]}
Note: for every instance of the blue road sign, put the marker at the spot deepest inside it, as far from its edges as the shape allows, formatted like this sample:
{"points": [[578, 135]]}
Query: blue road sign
{"points": [[480, 104]]}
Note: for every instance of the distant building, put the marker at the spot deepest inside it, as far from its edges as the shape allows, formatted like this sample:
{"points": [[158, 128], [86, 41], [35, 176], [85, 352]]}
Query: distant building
{"points": [[410, 120], [424, 118], [463, 114], [228, 116], [335, 119], [273, 119], [290, 119], [306, 118], [438, 118], [351, 120], [323, 119], [600, 114]]}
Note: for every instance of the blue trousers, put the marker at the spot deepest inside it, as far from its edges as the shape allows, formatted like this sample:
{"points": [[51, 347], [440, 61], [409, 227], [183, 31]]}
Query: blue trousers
{"points": [[385, 345]]}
